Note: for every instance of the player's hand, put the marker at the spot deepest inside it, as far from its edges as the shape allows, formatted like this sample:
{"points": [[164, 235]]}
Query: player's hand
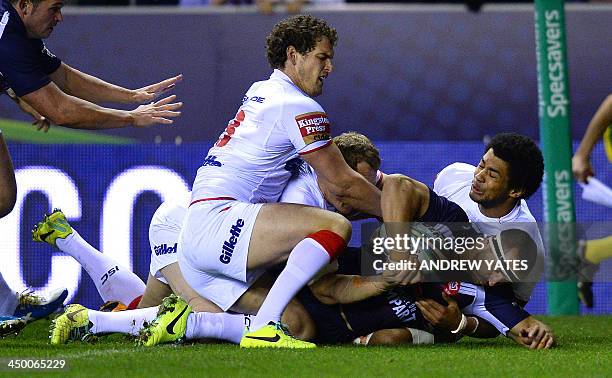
{"points": [[402, 276], [40, 121], [581, 167], [156, 112], [153, 91], [537, 336], [446, 317]]}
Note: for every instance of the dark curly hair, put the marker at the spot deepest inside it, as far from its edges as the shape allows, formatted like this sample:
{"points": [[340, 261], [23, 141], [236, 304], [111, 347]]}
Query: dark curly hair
{"points": [[301, 32], [524, 158], [356, 148]]}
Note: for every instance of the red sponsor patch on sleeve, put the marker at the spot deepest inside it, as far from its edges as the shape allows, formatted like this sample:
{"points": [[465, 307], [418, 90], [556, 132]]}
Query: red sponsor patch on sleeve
{"points": [[313, 127]]}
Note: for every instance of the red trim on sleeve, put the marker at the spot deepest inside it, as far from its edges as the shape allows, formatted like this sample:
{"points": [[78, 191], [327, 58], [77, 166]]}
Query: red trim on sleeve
{"points": [[212, 199]]}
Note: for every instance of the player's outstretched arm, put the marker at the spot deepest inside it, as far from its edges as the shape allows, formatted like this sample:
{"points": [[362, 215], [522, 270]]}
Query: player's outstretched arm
{"points": [[40, 122], [73, 112], [92, 89], [340, 288], [581, 162], [532, 334], [344, 188], [8, 186]]}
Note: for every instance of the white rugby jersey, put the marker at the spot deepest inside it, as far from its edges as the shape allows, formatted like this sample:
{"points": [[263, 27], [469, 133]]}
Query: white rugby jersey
{"points": [[454, 182], [253, 158], [303, 189]]}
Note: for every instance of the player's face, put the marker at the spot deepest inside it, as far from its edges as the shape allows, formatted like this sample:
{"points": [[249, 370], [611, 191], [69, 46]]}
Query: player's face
{"points": [[313, 67], [40, 20], [366, 170], [490, 185]]}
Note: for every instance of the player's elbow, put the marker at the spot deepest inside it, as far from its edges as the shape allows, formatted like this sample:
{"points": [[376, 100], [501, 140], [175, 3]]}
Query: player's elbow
{"points": [[400, 185]]}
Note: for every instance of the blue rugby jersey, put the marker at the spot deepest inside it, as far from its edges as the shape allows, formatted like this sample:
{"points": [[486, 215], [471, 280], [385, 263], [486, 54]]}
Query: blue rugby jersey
{"points": [[25, 63], [397, 309]]}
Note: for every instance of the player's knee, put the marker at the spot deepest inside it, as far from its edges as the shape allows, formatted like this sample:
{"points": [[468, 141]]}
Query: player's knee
{"points": [[339, 225], [333, 236]]}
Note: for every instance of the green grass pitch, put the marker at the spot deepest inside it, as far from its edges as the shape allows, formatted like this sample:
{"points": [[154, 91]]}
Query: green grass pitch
{"points": [[585, 349]]}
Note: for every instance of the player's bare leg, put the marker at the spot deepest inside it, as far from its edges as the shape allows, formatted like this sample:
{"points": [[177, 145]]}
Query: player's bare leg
{"points": [[154, 293], [309, 240]]}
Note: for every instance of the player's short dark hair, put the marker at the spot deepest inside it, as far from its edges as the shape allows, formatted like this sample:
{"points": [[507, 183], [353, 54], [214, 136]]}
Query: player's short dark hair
{"points": [[356, 148], [302, 32], [524, 158]]}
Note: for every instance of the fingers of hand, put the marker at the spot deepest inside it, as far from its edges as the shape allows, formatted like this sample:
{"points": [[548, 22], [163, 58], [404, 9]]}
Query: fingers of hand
{"points": [[166, 84], [537, 338], [163, 121], [166, 113], [173, 106], [165, 100]]}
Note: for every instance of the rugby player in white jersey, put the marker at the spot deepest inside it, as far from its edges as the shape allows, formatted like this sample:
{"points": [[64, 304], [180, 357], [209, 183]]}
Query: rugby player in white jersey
{"points": [[234, 230], [493, 194]]}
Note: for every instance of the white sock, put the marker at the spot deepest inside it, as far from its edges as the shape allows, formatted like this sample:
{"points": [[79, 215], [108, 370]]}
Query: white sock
{"points": [[129, 321], [113, 281], [306, 259], [8, 298], [222, 326]]}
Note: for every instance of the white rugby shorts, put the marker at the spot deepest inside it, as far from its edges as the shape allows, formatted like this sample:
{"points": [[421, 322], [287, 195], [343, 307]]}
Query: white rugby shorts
{"points": [[213, 249], [164, 246]]}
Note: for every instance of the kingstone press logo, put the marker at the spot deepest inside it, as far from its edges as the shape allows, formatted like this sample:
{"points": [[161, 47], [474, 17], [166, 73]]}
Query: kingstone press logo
{"points": [[313, 126]]}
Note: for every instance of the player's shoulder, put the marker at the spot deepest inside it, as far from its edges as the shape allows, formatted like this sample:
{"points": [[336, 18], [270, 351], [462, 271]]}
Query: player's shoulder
{"points": [[457, 168], [453, 176], [524, 214], [283, 90]]}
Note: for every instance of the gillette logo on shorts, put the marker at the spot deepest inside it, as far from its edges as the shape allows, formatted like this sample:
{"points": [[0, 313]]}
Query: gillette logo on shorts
{"points": [[228, 246], [314, 126], [164, 249]]}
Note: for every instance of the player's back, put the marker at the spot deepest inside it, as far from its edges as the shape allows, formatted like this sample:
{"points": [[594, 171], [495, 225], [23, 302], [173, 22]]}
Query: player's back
{"points": [[253, 158]]}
